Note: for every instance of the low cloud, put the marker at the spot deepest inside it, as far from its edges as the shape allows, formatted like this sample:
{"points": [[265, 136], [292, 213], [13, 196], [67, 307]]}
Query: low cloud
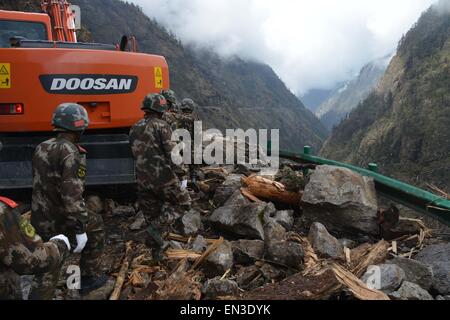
{"points": [[309, 43]]}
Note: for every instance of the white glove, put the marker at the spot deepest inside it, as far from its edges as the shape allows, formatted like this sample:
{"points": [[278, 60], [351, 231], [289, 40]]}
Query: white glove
{"points": [[81, 242], [184, 184], [62, 238]]}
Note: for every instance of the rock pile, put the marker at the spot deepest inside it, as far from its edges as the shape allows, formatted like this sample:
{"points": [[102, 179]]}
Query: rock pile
{"points": [[240, 244]]}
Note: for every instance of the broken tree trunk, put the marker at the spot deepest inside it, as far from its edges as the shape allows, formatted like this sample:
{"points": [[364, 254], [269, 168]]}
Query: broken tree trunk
{"points": [[262, 188], [122, 273], [324, 278]]}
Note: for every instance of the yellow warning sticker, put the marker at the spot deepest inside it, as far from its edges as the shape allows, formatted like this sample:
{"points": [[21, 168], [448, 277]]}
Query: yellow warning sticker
{"points": [[159, 82], [5, 75]]}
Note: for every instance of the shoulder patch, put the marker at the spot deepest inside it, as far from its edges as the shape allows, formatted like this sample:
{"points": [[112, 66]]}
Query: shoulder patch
{"points": [[27, 229], [9, 202], [82, 171]]}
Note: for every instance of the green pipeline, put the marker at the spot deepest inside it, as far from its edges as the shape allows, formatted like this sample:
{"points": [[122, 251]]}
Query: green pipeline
{"points": [[412, 197]]}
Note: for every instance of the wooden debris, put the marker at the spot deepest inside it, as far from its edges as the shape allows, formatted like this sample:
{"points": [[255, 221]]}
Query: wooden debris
{"points": [[263, 188], [179, 254], [441, 192], [246, 193], [322, 279], [375, 255], [179, 238], [122, 273], [356, 286], [208, 251], [180, 285], [348, 256], [225, 275]]}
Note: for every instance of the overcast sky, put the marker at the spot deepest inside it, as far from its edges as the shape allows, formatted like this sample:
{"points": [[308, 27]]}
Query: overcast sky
{"points": [[310, 43]]}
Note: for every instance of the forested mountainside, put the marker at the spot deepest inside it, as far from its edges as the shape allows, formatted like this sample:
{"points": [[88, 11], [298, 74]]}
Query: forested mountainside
{"points": [[404, 125]]}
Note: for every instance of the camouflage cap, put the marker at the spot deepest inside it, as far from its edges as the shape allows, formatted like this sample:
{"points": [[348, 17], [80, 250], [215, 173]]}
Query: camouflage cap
{"points": [[169, 95], [187, 105], [155, 102], [70, 117]]}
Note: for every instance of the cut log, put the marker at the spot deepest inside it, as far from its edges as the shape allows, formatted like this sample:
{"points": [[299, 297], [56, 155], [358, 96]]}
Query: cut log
{"points": [[122, 273], [262, 188]]}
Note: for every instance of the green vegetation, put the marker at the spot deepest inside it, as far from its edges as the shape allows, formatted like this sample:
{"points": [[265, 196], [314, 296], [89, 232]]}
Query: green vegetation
{"points": [[404, 125]]}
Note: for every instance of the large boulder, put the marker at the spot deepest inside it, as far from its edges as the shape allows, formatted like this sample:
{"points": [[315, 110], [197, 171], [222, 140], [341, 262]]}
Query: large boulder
{"points": [[438, 257], [411, 291], [279, 250], [323, 243], [241, 217], [385, 277], [342, 200], [415, 271], [226, 190], [247, 251], [219, 261]]}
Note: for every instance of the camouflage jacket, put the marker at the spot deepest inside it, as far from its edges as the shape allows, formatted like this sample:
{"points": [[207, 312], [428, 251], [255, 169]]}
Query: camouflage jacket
{"points": [[151, 144], [59, 171], [186, 121], [171, 118], [23, 252]]}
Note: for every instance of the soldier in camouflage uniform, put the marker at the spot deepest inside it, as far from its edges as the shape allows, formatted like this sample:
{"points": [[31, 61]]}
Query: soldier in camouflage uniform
{"points": [[159, 188], [22, 251], [58, 206], [170, 115], [185, 120]]}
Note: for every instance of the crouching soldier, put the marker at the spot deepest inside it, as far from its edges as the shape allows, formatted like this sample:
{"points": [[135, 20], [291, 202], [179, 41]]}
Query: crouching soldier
{"points": [[22, 251], [58, 206], [159, 188]]}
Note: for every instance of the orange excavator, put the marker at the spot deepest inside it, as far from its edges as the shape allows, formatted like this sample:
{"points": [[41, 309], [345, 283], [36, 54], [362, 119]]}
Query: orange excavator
{"points": [[43, 65]]}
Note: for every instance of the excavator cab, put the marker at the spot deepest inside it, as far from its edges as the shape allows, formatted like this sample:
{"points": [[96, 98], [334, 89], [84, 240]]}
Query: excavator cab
{"points": [[22, 29], [42, 65]]}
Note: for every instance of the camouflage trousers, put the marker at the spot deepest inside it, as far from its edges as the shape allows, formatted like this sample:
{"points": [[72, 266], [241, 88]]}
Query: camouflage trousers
{"points": [[44, 286], [10, 285], [163, 205]]}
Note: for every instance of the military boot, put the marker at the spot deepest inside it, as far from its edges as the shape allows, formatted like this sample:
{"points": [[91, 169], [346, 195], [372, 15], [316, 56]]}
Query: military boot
{"points": [[91, 283], [156, 242]]}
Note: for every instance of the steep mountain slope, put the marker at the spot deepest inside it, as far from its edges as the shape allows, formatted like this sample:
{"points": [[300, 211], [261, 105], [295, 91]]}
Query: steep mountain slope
{"points": [[314, 98], [404, 125], [242, 94], [347, 98]]}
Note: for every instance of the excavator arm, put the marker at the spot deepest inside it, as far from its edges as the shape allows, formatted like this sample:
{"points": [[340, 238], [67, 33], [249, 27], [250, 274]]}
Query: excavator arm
{"points": [[63, 19]]}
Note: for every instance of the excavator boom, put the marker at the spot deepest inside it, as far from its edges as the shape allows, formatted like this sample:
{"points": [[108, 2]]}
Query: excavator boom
{"points": [[63, 20]]}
